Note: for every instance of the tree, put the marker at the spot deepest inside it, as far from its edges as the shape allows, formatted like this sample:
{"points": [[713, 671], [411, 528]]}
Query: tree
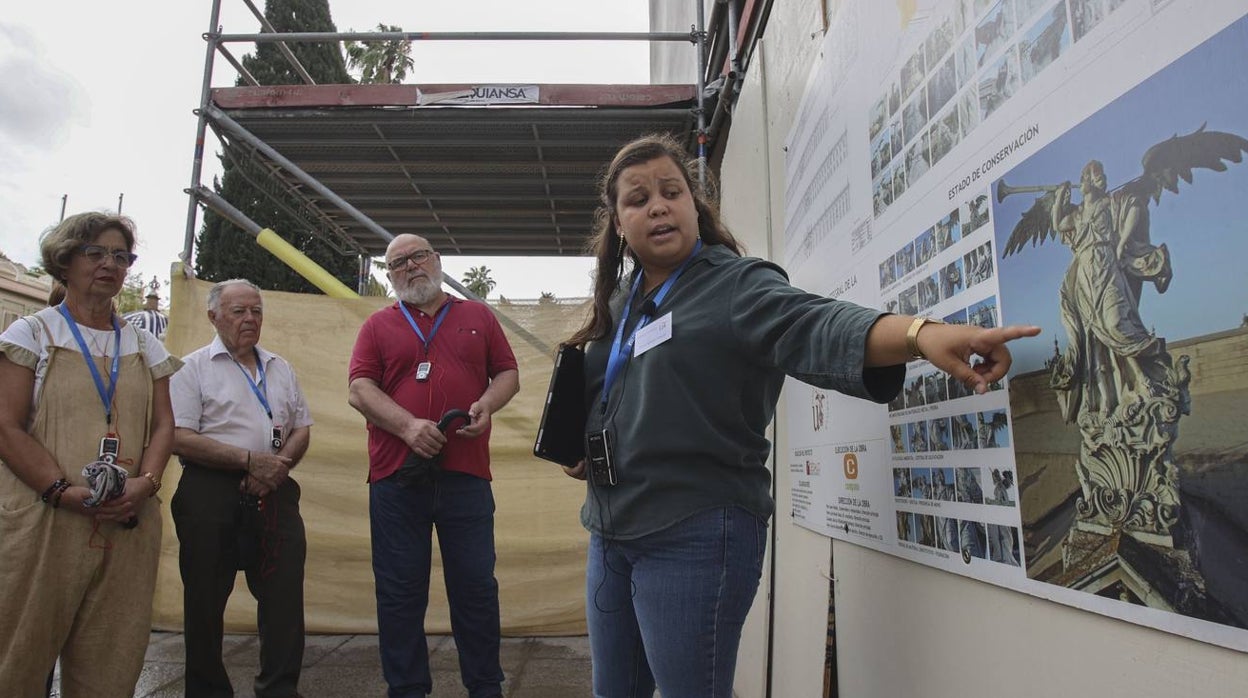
{"points": [[383, 62], [131, 296], [224, 251], [477, 280], [546, 298]]}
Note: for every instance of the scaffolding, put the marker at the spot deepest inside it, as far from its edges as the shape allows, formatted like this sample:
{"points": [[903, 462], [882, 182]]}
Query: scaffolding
{"points": [[358, 164]]}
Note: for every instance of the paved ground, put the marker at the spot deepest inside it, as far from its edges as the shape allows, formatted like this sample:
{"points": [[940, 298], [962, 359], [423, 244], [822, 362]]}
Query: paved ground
{"points": [[349, 665]]}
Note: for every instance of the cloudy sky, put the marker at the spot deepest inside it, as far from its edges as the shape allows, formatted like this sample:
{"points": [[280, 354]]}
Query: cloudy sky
{"points": [[97, 97]]}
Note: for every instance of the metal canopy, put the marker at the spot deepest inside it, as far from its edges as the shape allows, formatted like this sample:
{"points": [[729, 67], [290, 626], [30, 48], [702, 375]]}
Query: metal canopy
{"points": [[474, 180]]}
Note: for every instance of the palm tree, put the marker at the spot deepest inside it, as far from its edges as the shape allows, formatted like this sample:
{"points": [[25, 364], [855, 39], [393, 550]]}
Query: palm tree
{"points": [[477, 280], [381, 61], [546, 298]]}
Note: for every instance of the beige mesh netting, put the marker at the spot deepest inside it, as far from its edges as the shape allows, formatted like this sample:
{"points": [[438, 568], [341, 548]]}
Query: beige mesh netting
{"points": [[540, 542]]}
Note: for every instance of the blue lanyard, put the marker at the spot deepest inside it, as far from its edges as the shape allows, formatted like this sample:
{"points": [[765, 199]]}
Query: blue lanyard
{"points": [[261, 391], [436, 323], [620, 349], [106, 396]]}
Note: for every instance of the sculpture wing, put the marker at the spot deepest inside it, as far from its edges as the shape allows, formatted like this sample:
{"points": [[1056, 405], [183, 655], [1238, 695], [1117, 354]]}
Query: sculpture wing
{"points": [[1034, 226], [1174, 158]]}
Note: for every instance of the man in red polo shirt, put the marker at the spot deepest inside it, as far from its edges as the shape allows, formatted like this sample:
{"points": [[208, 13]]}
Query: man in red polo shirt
{"points": [[413, 361]]}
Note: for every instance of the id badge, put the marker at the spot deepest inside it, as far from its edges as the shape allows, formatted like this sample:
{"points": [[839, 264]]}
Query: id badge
{"points": [[422, 371], [110, 447], [277, 441]]}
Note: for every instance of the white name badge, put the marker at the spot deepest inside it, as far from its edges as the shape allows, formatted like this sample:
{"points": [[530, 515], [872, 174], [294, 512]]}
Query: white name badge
{"points": [[652, 335]]}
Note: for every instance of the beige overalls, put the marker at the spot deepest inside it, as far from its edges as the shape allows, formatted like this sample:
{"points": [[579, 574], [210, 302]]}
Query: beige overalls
{"points": [[67, 587]]}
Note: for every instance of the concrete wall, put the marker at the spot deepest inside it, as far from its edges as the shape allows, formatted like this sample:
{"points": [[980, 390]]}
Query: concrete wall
{"points": [[902, 628]]}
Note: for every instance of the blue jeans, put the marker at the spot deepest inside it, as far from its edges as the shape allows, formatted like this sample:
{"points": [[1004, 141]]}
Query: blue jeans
{"points": [[402, 519], [668, 608]]}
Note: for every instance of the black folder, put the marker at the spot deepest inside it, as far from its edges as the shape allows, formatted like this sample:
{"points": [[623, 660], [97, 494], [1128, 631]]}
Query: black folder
{"points": [[561, 433]]}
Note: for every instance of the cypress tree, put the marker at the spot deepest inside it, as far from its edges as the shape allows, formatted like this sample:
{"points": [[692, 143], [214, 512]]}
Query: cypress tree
{"points": [[223, 251]]}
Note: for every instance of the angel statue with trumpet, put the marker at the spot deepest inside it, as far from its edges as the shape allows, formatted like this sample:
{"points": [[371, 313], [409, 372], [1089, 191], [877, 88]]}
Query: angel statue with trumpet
{"points": [[1116, 380]]}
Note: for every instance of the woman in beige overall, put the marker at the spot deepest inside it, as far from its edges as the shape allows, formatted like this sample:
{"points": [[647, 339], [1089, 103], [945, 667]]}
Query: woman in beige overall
{"points": [[77, 575]]}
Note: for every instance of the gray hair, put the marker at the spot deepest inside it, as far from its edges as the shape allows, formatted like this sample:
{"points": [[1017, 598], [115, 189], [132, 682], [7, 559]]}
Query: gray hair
{"points": [[214, 293]]}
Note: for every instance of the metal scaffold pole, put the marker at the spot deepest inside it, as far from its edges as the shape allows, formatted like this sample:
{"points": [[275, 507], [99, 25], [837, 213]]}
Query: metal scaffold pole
{"points": [[197, 163], [699, 36]]}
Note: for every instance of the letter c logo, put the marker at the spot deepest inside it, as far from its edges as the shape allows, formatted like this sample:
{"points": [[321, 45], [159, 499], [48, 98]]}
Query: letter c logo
{"points": [[851, 466]]}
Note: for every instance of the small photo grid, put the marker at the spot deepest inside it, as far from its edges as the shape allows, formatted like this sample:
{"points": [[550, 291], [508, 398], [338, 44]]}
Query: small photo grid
{"points": [[932, 388], [947, 280], [961, 432], [931, 531], [976, 57]]}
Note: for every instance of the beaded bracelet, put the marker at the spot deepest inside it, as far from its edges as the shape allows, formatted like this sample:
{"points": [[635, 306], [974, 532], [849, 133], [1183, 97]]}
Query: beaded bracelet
{"points": [[62, 485], [55, 487]]}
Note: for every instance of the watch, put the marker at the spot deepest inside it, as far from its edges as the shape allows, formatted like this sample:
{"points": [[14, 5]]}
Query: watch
{"points": [[912, 336]]}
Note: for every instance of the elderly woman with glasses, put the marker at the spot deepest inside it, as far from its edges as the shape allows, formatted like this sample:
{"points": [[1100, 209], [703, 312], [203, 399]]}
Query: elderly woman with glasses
{"points": [[86, 429]]}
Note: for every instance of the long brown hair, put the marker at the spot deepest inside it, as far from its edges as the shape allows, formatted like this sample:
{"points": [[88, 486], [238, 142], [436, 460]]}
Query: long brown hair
{"points": [[605, 247]]}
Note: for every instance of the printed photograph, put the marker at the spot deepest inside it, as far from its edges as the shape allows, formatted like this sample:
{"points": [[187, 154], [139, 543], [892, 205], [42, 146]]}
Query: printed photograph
{"points": [[1126, 243], [1003, 544], [999, 82], [901, 482], [973, 540], [994, 30], [1043, 43], [914, 117], [948, 230], [947, 534], [917, 162], [912, 74], [897, 435], [994, 429], [1003, 494], [944, 134], [942, 86], [1086, 15], [927, 530], [951, 281], [969, 489], [977, 214], [983, 313]]}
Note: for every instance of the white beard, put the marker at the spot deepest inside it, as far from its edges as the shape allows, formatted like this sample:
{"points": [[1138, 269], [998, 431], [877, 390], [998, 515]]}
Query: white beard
{"points": [[418, 293]]}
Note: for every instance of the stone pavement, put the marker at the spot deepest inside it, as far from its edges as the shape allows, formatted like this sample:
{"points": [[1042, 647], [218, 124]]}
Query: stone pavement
{"points": [[349, 665]]}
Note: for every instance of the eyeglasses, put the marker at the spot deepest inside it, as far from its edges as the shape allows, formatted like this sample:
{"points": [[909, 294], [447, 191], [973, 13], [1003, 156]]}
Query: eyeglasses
{"points": [[96, 253], [418, 257]]}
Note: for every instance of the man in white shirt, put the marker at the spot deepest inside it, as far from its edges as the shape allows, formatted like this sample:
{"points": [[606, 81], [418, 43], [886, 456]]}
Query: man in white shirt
{"points": [[241, 425]]}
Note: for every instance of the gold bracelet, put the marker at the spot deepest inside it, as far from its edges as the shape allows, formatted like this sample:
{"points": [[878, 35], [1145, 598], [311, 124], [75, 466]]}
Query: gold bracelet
{"points": [[155, 483], [912, 336]]}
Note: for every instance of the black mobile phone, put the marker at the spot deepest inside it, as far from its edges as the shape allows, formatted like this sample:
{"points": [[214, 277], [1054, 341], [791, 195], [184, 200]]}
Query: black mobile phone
{"points": [[601, 465]]}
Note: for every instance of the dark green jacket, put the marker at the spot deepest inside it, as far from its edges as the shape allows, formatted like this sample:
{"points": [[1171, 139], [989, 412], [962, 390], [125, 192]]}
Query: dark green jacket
{"points": [[688, 418]]}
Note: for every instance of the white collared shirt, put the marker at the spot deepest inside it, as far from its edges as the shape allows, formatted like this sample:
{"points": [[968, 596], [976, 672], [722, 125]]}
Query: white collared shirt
{"points": [[212, 396]]}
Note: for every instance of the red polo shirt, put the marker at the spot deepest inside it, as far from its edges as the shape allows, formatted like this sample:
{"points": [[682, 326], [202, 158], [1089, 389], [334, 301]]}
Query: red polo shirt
{"points": [[468, 350]]}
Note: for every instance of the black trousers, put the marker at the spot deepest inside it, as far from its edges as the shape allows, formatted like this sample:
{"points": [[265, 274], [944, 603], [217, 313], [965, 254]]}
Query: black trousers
{"points": [[219, 535]]}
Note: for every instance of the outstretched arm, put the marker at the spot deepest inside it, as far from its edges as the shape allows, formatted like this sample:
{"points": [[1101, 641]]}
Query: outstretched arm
{"points": [[948, 347]]}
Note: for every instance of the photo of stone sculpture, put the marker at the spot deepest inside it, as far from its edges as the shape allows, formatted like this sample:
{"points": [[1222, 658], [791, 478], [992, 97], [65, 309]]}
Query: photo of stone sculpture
{"points": [[1124, 238]]}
